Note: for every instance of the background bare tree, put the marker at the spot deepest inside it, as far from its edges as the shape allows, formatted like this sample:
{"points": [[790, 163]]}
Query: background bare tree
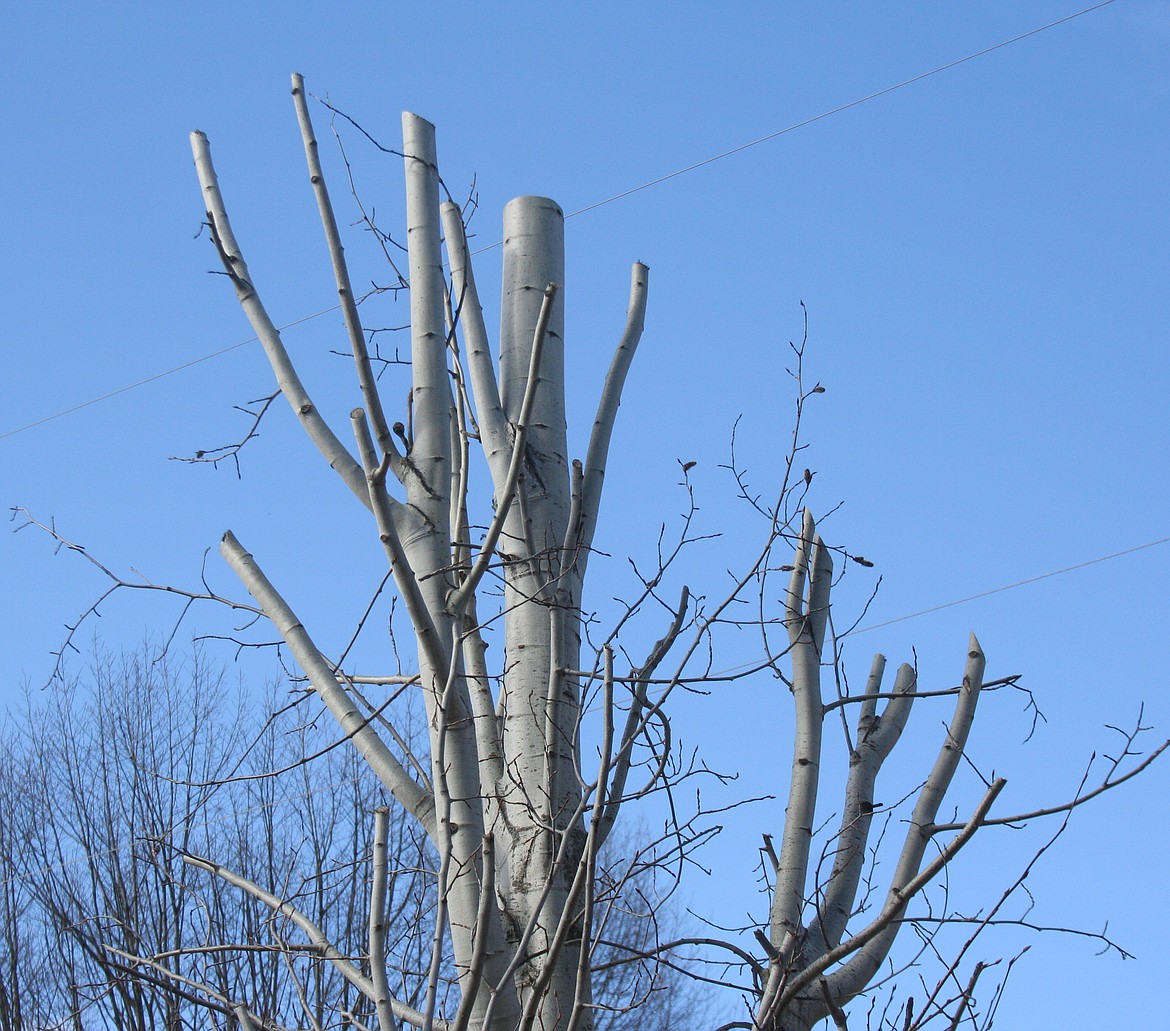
{"points": [[531, 758], [110, 780], [123, 771]]}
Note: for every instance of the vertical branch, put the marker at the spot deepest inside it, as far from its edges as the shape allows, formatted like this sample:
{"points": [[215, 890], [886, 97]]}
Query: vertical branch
{"points": [[907, 878], [443, 803], [483, 711], [636, 719], [843, 984], [607, 408], [805, 622], [593, 842], [536, 528], [457, 520], [533, 257], [493, 426], [876, 737], [431, 390], [456, 775], [353, 325], [377, 936], [508, 492], [487, 901], [386, 514]]}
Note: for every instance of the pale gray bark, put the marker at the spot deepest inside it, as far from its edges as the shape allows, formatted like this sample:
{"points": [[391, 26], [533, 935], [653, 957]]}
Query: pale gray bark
{"points": [[807, 926], [454, 749], [506, 766], [286, 374]]}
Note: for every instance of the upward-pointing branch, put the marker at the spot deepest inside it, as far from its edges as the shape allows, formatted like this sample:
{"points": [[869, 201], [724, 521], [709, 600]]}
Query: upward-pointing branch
{"points": [[857, 973], [504, 499], [353, 322], [493, 425], [607, 408], [876, 737], [286, 375], [805, 621]]}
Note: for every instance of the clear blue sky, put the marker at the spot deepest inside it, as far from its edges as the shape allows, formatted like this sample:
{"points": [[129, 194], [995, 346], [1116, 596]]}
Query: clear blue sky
{"points": [[983, 255]]}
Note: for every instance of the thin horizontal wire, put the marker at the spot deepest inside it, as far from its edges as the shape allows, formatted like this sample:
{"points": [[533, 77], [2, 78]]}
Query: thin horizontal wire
{"points": [[160, 375], [971, 597], [837, 110], [608, 200], [1009, 587]]}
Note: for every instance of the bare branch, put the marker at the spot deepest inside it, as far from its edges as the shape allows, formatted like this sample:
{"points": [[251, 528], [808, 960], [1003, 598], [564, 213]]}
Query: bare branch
{"points": [[353, 324], [324, 680], [213, 456], [286, 375], [607, 408], [504, 499], [1108, 784], [896, 902]]}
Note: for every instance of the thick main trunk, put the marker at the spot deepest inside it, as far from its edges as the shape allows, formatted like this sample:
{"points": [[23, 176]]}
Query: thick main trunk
{"points": [[454, 752], [539, 790]]}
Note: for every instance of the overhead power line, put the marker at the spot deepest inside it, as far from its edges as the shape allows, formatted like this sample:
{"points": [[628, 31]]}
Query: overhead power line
{"points": [[837, 110], [159, 375], [1011, 586], [601, 203]]}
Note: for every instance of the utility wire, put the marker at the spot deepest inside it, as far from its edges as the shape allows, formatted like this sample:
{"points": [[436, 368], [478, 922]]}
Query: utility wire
{"points": [[837, 110], [159, 375], [608, 200], [1008, 587]]}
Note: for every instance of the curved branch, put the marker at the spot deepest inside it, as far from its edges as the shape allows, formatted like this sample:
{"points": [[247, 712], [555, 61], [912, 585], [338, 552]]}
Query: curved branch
{"points": [[321, 945], [334, 452], [634, 718], [387, 518], [876, 737], [607, 409], [895, 904], [489, 412], [805, 621], [853, 977], [504, 499]]}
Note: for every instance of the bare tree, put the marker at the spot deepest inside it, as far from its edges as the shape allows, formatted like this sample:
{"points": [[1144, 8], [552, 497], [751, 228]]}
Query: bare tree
{"points": [[532, 760], [121, 774], [125, 770]]}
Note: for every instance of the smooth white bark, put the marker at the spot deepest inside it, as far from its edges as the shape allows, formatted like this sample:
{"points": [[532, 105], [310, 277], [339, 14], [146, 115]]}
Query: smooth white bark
{"points": [[286, 374], [353, 323], [516, 828], [324, 680], [607, 409], [459, 794], [805, 620]]}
